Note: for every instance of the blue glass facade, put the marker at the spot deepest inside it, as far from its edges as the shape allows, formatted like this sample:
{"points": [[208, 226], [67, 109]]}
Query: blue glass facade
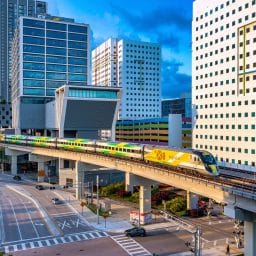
{"points": [[54, 53], [90, 93]]}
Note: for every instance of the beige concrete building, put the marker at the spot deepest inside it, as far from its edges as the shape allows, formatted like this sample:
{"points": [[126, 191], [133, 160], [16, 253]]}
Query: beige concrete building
{"points": [[224, 80]]}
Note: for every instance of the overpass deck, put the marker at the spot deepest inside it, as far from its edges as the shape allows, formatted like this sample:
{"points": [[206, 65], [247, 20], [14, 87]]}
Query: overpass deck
{"points": [[221, 190]]}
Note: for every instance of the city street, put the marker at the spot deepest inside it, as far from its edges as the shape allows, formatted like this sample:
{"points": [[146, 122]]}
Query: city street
{"points": [[21, 220], [27, 233]]}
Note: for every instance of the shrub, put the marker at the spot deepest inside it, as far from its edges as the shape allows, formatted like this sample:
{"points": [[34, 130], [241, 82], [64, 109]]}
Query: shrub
{"points": [[111, 189], [177, 204]]}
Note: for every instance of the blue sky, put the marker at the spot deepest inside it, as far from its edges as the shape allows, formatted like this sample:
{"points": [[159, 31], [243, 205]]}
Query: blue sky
{"points": [[167, 22]]}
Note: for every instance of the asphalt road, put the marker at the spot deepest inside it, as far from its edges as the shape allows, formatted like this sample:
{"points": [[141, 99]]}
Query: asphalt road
{"points": [[21, 220], [24, 226], [100, 247]]}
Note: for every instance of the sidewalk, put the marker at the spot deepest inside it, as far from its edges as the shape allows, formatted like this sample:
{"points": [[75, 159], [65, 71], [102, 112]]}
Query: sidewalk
{"points": [[111, 224]]}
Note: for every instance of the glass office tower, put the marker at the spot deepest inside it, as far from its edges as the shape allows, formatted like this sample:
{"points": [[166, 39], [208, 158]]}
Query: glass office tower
{"points": [[46, 55], [10, 11]]}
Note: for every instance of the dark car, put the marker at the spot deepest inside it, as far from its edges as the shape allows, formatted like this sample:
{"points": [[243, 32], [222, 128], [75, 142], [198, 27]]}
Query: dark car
{"points": [[39, 187], [17, 177], [136, 231], [56, 200]]}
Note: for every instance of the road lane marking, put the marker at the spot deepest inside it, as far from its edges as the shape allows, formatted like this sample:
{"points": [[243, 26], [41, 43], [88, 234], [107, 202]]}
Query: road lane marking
{"points": [[63, 214], [15, 218], [34, 227]]}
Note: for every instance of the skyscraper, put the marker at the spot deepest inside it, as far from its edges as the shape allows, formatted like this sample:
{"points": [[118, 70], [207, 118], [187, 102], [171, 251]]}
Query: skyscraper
{"points": [[136, 67], [10, 11], [224, 80], [46, 55]]}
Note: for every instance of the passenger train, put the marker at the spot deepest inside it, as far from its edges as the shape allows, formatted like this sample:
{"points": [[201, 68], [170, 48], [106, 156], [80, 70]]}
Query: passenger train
{"points": [[198, 161]]}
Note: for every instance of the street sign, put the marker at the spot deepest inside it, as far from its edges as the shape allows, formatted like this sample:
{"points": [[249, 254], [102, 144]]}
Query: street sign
{"points": [[82, 204]]}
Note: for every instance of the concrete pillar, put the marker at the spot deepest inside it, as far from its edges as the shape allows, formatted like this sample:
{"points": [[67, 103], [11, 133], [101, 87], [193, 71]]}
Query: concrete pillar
{"points": [[14, 168], [131, 180], [145, 198], [41, 171], [41, 165], [249, 238], [249, 219], [79, 169], [13, 154], [192, 201]]}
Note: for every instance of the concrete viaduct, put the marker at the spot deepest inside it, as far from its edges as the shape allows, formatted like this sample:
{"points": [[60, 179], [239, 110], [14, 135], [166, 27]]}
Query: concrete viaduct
{"points": [[239, 204]]}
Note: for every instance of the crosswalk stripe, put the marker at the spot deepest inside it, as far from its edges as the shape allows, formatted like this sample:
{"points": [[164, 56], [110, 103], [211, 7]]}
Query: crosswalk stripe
{"points": [[63, 240], [78, 238], [131, 246], [40, 244], [48, 242], [53, 241]]}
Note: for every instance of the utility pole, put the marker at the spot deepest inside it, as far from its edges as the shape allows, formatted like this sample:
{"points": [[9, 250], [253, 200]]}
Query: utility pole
{"points": [[198, 242]]}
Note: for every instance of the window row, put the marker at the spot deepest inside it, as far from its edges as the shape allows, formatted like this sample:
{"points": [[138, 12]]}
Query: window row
{"points": [[217, 8], [54, 67], [227, 138], [54, 51], [54, 34], [54, 59], [54, 75], [54, 26], [54, 42]]}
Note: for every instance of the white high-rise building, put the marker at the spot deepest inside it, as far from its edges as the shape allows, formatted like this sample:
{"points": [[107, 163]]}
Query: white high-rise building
{"points": [[224, 80], [136, 67]]}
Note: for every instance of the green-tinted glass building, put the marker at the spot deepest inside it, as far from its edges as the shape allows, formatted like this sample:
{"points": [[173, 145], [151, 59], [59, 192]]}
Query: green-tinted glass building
{"points": [[47, 54]]}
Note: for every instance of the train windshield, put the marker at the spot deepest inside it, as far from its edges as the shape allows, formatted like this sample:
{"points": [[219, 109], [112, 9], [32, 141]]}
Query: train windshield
{"points": [[208, 159]]}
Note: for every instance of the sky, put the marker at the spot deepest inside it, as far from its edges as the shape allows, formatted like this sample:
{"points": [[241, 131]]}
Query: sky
{"points": [[167, 22]]}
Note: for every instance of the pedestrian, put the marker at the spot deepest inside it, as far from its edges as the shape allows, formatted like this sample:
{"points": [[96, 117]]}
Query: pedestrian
{"points": [[227, 250]]}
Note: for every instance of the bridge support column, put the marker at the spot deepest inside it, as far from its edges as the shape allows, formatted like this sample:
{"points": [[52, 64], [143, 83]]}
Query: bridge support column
{"points": [[41, 165], [79, 168], [192, 200], [130, 181], [14, 169], [14, 159], [249, 219], [145, 204], [41, 171], [250, 238]]}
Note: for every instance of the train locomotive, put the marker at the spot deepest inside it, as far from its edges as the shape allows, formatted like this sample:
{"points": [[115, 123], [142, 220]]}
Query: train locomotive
{"points": [[197, 161]]}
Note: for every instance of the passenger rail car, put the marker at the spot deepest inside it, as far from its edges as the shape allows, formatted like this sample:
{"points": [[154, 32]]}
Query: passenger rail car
{"points": [[199, 161]]}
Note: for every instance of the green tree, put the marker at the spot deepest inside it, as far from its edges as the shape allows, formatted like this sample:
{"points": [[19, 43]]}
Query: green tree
{"points": [[111, 189], [177, 204]]}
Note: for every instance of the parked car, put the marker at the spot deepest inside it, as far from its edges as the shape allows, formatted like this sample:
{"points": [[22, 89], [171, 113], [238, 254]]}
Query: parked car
{"points": [[39, 187], [136, 231], [56, 200], [17, 177]]}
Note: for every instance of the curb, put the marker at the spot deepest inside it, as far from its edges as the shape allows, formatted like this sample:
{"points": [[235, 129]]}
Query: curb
{"points": [[42, 211]]}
